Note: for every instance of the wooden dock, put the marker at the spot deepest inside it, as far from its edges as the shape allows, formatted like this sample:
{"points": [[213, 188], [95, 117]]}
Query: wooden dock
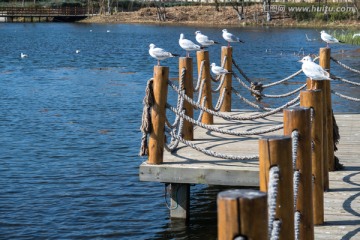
{"points": [[188, 166]]}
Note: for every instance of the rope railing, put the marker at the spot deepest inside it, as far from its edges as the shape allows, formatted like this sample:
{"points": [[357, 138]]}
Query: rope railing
{"points": [[146, 117], [345, 80], [213, 153], [272, 201], [220, 85], [345, 66], [223, 131], [296, 178], [282, 80], [241, 72], [285, 94], [220, 101], [199, 80], [345, 97]]}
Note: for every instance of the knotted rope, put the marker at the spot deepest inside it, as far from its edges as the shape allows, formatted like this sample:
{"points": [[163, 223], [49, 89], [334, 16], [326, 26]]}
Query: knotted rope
{"points": [[145, 128]]}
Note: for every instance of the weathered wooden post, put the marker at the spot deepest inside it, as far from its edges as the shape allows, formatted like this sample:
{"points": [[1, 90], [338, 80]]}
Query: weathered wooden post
{"points": [[180, 201], [226, 53], [276, 151], [299, 119], [187, 64], [242, 213], [321, 85], [207, 118], [313, 99], [157, 136]]}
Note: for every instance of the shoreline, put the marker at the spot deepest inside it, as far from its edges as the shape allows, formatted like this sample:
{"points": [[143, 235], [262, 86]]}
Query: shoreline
{"points": [[207, 16]]}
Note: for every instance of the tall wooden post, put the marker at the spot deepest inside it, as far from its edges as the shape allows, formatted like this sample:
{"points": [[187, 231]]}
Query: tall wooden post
{"points": [[276, 151], [299, 119], [207, 118], [324, 61], [157, 137], [186, 63], [313, 99], [226, 52], [321, 85], [242, 213]]}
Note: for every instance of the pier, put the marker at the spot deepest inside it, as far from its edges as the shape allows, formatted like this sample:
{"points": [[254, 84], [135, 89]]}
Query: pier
{"points": [[71, 14], [285, 151]]}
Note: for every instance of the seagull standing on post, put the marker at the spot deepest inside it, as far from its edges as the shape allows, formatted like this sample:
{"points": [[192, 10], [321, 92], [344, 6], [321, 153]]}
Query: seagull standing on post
{"points": [[217, 70], [203, 40], [159, 53], [187, 45], [229, 37], [328, 38], [313, 70]]}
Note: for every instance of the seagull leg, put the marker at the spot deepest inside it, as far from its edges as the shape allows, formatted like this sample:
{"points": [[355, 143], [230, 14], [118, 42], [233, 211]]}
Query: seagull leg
{"points": [[228, 44], [158, 62]]}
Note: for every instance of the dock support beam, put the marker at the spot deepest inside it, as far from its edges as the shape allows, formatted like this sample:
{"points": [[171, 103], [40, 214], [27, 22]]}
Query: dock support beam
{"points": [[180, 201], [242, 213], [299, 119], [207, 118], [187, 64], [276, 151], [157, 135], [313, 99], [226, 53]]}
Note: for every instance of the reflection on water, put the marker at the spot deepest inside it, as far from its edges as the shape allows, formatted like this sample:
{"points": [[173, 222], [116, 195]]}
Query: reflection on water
{"points": [[70, 124]]}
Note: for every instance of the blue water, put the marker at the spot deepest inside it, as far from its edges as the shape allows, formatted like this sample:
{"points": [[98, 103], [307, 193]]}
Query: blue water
{"points": [[69, 125]]}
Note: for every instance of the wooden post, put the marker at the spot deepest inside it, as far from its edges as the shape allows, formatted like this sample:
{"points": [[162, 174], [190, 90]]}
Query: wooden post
{"points": [[321, 85], [276, 151], [299, 119], [180, 201], [324, 61], [313, 99], [207, 118], [242, 213], [157, 137], [226, 52], [187, 63]]}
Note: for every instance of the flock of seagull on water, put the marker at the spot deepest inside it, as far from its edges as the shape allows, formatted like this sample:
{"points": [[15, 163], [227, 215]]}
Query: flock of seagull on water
{"points": [[310, 68]]}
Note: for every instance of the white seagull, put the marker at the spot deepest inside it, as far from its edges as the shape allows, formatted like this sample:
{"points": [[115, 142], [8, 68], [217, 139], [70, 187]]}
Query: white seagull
{"points": [[328, 38], [229, 37], [217, 70], [187, 45], [356, 35], [77, 51], [159, 53], [313, 70], [203, 39], [23, 55]]}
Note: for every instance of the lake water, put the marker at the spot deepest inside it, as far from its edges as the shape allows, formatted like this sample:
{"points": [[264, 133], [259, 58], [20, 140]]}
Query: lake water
{"points": [[69, 125]]}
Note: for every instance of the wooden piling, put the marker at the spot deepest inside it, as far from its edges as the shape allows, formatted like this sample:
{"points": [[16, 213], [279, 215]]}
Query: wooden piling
{"points": [[187, 64], [226, 52], [157, 137], [276, 151], [324, 61], [299, 119], [313, 99], [242, 213], [180, 201], [207, 118], [321, 85]]}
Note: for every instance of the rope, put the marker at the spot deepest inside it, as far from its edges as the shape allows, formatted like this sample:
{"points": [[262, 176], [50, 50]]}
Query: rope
{"points": [[285, 94], [212, 153], [201, 89], [272, 197], [220, 101], [296, 179], [275, 234], [219, 87], [175, 142], [346, 81], [297, 224], [344, 66], [199, 76], [223, 131], [241, 71], [246, 86], [145, 128], [345, 97], [283, 80]]}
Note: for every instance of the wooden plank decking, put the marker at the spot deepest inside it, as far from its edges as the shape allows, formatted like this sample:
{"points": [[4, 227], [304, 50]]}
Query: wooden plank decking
{"points": [[342, 201]]}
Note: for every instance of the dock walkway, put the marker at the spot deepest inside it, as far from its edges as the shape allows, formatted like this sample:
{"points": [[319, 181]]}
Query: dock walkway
{"points": [[188, 166]]}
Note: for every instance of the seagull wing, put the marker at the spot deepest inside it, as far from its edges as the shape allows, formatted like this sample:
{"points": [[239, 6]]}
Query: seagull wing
{"points": [[315, 71]]}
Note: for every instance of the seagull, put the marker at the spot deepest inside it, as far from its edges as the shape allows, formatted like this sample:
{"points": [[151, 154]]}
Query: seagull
{"points": [[217, 70], [313, 70], [328, 38], [159, 53], [229, 37], [77, 51], [203, 39], [356, 35], [108, 31], [187, 45], [23, 55]]}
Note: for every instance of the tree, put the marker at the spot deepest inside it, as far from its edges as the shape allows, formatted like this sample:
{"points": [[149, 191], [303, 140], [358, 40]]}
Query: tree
{"points": [[235, 6]]}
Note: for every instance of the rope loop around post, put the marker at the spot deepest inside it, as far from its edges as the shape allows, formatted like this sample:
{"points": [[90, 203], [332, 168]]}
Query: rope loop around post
{"points": [[146, 117]]}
